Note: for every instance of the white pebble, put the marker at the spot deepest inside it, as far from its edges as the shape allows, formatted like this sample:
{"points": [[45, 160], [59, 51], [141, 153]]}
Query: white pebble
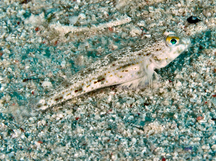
{"points": [[214, 147], [135, 31], [82, 16], [63, 63], [46, 84]]}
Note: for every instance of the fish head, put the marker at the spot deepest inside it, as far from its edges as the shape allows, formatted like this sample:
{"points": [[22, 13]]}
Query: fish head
{"points": [[168, 49]]}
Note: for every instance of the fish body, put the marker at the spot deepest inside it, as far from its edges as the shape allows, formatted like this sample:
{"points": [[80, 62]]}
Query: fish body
{"points": [[133, 66]]}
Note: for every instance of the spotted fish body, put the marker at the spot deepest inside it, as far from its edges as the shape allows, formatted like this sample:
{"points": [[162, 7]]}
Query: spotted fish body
{"points": [[133, 66]]}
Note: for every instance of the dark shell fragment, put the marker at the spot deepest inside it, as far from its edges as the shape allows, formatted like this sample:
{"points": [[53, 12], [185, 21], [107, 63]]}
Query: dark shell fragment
{"points": [[193, 19]]}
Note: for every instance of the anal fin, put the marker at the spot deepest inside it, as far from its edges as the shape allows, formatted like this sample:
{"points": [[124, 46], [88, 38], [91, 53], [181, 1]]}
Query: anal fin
{"points": [[134, 84]]}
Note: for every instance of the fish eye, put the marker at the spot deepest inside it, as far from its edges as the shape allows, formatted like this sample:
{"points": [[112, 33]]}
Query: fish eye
{"points": [[172, 40]]}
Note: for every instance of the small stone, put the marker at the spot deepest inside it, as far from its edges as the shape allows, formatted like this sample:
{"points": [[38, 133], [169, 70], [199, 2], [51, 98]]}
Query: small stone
{"points": [[199, 118], [214, 147], [193, 20], [47, 84]]}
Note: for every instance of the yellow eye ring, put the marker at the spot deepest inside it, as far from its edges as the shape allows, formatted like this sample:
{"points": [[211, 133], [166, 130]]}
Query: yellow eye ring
{"points": [[172, 40]]}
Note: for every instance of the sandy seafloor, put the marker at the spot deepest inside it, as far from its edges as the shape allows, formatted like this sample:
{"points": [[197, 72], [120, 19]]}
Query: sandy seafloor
{"points": [[173, 120]]}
